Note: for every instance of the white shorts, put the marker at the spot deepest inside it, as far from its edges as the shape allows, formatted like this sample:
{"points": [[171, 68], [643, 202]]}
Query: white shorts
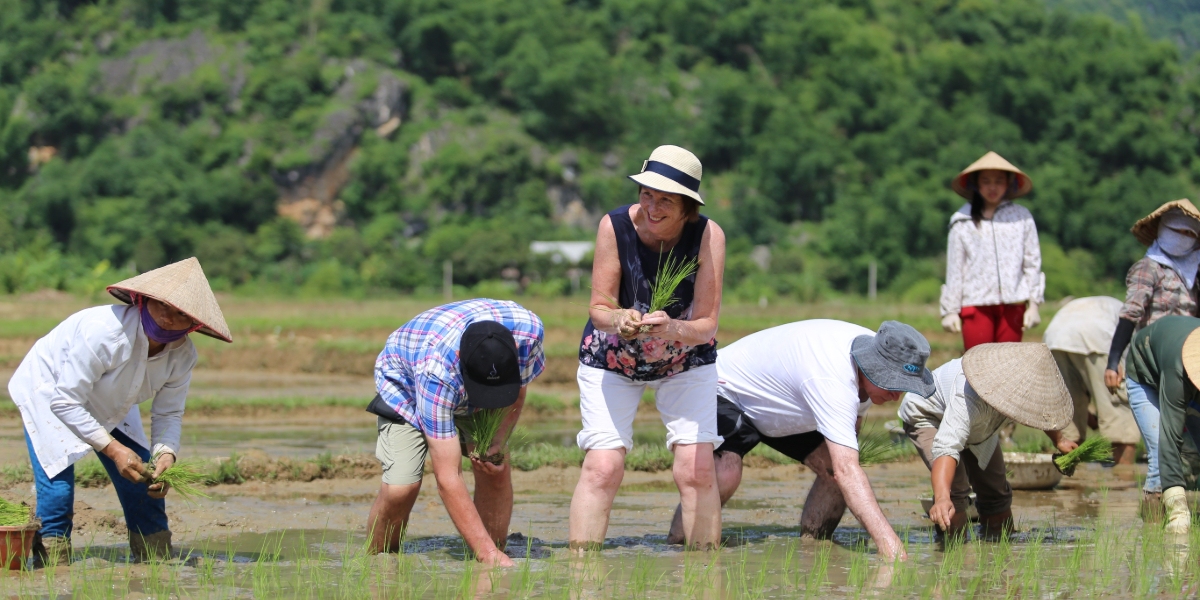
{"points": [[608, 401]]}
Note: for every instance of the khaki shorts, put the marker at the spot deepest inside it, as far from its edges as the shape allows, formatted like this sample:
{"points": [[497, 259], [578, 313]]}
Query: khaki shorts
{"points": [[1084, 376], [992, 492], [401, 450]]}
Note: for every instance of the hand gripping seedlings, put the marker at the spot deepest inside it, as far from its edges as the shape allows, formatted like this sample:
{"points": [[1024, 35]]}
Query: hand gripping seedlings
{"points": [[1096, 448], [671, 273], [13, 514], [186, 478], [481, 429]]}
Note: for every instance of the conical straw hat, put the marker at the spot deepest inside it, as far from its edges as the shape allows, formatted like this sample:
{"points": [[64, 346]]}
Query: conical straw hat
{"points": [[1191, 356], [184, 286], [1146, 229], [1022, 381], [673, 170], [991, 160]]}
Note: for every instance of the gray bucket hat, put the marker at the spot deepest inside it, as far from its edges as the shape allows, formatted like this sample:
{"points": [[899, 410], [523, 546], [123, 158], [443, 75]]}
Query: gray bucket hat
{"points": [[894, 358]]}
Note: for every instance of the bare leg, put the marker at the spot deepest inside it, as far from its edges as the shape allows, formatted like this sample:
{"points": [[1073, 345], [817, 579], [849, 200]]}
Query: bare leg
{"points": [[389, 515], [729, 477], [494, 501], [1125, 454], [591, 504], [825, 505], [696, 478]]}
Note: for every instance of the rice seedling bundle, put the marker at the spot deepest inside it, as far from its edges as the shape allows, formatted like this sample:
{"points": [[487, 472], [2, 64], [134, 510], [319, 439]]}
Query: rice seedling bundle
{"points": [[671, 273], [13, 514], [876, 448], [1096, 448], [480, 428], [186, 478]]}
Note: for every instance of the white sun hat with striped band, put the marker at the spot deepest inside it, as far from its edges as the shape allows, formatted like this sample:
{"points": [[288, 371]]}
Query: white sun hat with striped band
{"points": [[673, 170], [184, 286]]}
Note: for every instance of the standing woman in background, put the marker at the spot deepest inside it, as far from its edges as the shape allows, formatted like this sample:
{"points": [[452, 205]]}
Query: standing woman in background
{"points": [[994, 279], [672, 351], [1161, 284]]}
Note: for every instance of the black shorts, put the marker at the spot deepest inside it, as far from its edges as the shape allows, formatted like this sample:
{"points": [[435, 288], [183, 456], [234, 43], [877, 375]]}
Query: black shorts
{"points": [[741, 436]]}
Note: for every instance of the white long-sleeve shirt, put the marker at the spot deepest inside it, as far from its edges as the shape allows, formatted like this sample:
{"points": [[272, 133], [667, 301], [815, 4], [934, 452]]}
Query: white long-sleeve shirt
{"points": [[999, 262], [86, 378], [962, 419]]}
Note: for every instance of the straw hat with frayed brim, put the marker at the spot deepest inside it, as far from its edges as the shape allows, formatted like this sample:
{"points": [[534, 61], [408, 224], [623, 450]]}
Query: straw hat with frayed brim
{"points": [[991, 160], [1022, 381], [184, 286], [673, 170], [1191, 357], [1146, 229]]}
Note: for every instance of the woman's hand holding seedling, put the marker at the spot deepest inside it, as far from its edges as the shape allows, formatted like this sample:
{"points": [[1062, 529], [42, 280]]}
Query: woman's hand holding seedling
{"points": [[627, 323], [163, 462], [129, 465]]}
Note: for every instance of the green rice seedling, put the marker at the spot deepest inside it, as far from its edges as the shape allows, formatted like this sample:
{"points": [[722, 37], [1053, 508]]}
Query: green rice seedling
{"points": [[877, 447], [13, 514], [1095, 448], [789, 555], [817, 576], [228, 470], [481, 429], [649, 458], [857, 576], [90, 473], [642, 579], [185, 477], [671, 273]]}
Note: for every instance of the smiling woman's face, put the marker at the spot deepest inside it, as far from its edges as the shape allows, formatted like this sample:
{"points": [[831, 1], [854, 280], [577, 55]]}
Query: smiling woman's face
{"points": [[168, 317], [665, 213]]}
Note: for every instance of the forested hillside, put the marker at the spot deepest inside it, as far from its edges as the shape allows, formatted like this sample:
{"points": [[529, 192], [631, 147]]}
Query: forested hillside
{"points": [[1176, 20], [352, 146]]}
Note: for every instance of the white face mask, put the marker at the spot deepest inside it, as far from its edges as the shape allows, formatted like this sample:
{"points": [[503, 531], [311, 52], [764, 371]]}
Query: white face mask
{"points": [[1174, 243]]}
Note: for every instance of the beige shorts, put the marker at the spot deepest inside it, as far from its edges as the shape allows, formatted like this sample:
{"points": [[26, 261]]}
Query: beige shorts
{"points": [[401, 450]]}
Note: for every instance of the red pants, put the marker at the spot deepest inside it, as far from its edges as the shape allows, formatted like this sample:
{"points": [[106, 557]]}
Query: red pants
{"points": [[987, 324]]}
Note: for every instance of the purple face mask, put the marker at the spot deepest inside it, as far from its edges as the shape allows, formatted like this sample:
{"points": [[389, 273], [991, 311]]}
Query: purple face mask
{"points": [[156, 333]]}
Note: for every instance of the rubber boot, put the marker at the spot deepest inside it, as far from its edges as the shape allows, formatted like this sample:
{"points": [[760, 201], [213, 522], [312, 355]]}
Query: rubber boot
{"points": [[996, 525], [1179, 518], [153, 545], [1150, 509], [51, 551]]}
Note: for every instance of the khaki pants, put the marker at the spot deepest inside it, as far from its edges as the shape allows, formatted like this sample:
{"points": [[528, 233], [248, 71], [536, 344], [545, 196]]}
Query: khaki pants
{"points": [[992, 492], [1084, 376]]}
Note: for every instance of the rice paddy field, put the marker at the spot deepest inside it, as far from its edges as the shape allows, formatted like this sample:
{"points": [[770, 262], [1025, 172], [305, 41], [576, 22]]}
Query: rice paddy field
{"points": [[277, 421]]}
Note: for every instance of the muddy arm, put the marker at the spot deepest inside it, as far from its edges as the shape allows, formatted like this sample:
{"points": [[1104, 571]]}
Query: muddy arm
{"points": [[860, 498], [446, 455]]}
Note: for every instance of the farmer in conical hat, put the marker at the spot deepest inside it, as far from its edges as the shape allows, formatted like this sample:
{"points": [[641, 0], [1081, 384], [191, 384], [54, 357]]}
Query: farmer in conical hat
{"points": [[994, 279], [955, 429], [78, 390], [1161, 284], [627, 348], [1164, 366]]}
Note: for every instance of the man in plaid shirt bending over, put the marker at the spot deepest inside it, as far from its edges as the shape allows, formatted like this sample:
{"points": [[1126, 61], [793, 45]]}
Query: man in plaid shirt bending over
{"points": [[451, 360]]}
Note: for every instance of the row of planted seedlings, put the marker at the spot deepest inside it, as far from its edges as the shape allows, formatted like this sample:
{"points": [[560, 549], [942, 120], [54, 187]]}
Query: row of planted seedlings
{"points": [[1108, 558]]}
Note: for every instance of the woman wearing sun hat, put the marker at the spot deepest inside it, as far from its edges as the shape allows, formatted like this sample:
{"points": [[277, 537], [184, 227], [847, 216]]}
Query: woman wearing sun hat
{"points": [[624, 351], [994, 279], [956, 429], [1161, 284], [1164, 366], [78, 389]]}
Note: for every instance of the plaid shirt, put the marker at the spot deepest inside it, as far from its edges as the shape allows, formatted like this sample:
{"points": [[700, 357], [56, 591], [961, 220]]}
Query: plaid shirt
{"points": [[1154, 291], [418, 371]]}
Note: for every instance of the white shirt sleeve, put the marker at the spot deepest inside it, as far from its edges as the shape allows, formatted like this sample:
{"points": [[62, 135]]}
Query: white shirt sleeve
{"points": [[82, 365], [952, 291], [835, 408], [166, 410], [1031, 264], [955, 428]]}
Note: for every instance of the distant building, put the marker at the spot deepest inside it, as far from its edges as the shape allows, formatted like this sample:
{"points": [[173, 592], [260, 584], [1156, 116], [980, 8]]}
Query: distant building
{"points": [[572, 252]]}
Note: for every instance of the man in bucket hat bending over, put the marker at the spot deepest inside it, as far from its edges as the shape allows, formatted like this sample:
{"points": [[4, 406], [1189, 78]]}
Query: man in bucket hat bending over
{"points": [[802, 389], [79, 388], [955, 428], [452, 360]]}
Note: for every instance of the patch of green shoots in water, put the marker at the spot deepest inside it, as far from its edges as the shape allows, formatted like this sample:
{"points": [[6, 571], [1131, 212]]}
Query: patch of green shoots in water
{"points": [[876, 447], [818, 575]]}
